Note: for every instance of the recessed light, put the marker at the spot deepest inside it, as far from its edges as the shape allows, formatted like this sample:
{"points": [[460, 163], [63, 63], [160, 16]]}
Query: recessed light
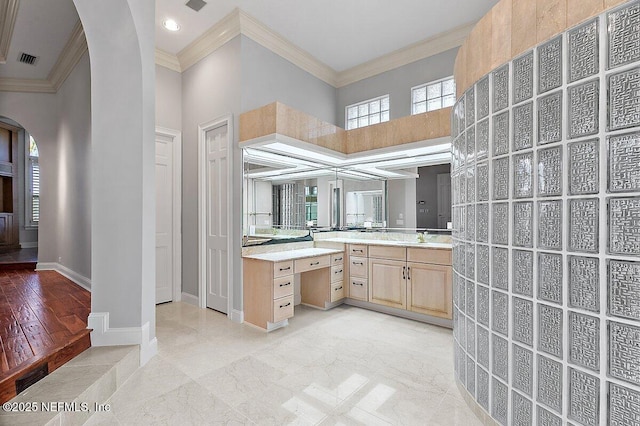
{"points": [[171, 25]]}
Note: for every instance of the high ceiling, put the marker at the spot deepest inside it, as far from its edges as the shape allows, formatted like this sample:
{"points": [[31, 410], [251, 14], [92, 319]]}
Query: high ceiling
{"points": [[339, 33]]}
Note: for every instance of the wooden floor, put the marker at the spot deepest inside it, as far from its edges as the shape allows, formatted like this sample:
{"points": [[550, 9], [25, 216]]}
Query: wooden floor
{"points": [[43, 320]]}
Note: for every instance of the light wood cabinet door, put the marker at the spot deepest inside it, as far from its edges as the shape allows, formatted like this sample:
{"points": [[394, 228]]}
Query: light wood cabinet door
{"points": [[387, 283], [429, 289]]}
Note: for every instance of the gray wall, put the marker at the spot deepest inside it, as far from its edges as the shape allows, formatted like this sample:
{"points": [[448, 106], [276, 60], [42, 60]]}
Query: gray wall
{"points": [[401, 201], [397, 83], [427, 191], [168, 98]]}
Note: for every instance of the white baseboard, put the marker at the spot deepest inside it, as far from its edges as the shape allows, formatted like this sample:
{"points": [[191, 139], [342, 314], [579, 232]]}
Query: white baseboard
{"points": [[81, 280], [103, 335], [190, 299], [32, 244], [237, 316]]}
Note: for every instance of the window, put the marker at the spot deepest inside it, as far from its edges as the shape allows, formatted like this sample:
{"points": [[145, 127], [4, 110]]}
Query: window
{"points": [[432, 96], [33, 184], [369, 112]]}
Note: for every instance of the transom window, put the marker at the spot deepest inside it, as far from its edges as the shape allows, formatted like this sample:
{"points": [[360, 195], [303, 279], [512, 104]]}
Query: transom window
{"points": [[432, 96], [369, 112]]}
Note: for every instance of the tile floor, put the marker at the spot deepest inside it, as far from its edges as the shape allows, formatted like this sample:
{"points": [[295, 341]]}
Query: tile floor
{"points": [[347, 366]]}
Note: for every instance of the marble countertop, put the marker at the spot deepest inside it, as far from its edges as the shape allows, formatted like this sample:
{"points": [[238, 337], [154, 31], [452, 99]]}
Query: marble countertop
{"points": [[281, 256], [443, 246]]}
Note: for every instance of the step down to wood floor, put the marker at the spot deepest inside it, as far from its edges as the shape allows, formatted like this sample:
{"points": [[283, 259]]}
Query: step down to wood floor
{"points": [[76, 390], [15, 266]]}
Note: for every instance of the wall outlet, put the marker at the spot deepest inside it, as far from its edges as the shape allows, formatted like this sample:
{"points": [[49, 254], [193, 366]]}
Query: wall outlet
{"points": [[60, 259]]}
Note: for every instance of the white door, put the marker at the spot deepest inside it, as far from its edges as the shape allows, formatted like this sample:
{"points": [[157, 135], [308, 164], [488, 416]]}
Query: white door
{"points": [[444, 199], [164, 218], [216, 153]]}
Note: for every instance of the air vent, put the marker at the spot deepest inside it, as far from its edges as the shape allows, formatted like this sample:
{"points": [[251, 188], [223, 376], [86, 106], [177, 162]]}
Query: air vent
{"points": [[196, 4], [25, 58]]}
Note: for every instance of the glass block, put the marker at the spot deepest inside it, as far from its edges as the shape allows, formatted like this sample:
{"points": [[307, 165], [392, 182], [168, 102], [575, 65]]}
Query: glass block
{"points": [[584, 169], [550, 118], [584, 398], [482, 386], [374, 119], [584, 341], [583, 100], [363, 121], [501, 88], [523, 77], [352, 112], [584, 283], [433, 104], [500, 268], [624, 405], [462, 300], [471, 305], [419, 94], [523, 175], [471, 337], [550, 383], [448, 87], [624, 99], [384, 104], [470, 106], [546, 418], [384, 116], [363, 110], [455, 129], [482, 90], [482, 222], [460, 366], [523, 224], [523, 272], [500, 312], [550, 172], [462, 148], [500, 401], [483, 264], [624, 157], [448, 100], [482, 307], [470, 261], [471, 145], [523, 369], [550, 224], [462, 336], [500, 349], [482, 182], [482, 139], [521, 411], [623, 288], [550, 277], [471, 376], [550, 65], [550, 330], [434, 90], [500, 223], [374, 106], [623, 35], [483, 346], [501, 133], [584, 217], [523, 126], [352, 124], [501, 178], [523, 321], [471, 218], [624, 227], [584, 51]]}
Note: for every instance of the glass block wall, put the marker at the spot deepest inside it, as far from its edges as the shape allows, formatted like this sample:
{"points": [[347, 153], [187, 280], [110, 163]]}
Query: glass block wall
{"points": [[546, 192]]}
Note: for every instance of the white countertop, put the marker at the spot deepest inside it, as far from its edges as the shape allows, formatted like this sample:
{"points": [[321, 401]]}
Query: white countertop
{"points": [[446, 246], [281, 256]]}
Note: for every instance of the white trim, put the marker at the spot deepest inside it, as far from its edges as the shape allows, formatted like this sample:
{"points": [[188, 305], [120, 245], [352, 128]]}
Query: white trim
{"points": [[103, 335], [176, 137], [237, 316], [8, 15], [71, 54], [190, 299], [167, 60], [202, 196], [26, 85], [30, 244], [77, 278]]}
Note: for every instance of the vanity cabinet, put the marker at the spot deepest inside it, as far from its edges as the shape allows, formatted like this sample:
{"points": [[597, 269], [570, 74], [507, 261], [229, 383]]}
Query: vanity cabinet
{"points": [[388, 283], [268, 291], [358, 287]]}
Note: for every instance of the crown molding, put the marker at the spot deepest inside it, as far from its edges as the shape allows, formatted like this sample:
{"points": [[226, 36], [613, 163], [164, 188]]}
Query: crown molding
{"points": [[71, 53], [412, 53], [26, 85], [167, 60], [8, 14]]}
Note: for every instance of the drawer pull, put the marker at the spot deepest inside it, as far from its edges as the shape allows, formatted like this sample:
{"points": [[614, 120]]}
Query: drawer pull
{"points": [[285, 305], [408, 272], [314, 263], [360, 284], [284, 285], [338, 272], [357, 263], [404, 277], [357, 250], [337, 259], [285, 269], [338, 288]]}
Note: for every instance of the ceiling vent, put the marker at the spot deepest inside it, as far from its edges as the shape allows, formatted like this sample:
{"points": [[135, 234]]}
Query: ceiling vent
{"points": [[25, 58], [196, 4]]}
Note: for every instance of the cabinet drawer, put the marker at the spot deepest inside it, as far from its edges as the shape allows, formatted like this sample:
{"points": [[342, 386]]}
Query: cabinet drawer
{"points": [[281, 269], [388, 252], [337, 272], [358, 288], [311, 263], [282, 286], [358, 266], [337, 259], [282, 308], [337, 291], [358, 250], [425, 255]]}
